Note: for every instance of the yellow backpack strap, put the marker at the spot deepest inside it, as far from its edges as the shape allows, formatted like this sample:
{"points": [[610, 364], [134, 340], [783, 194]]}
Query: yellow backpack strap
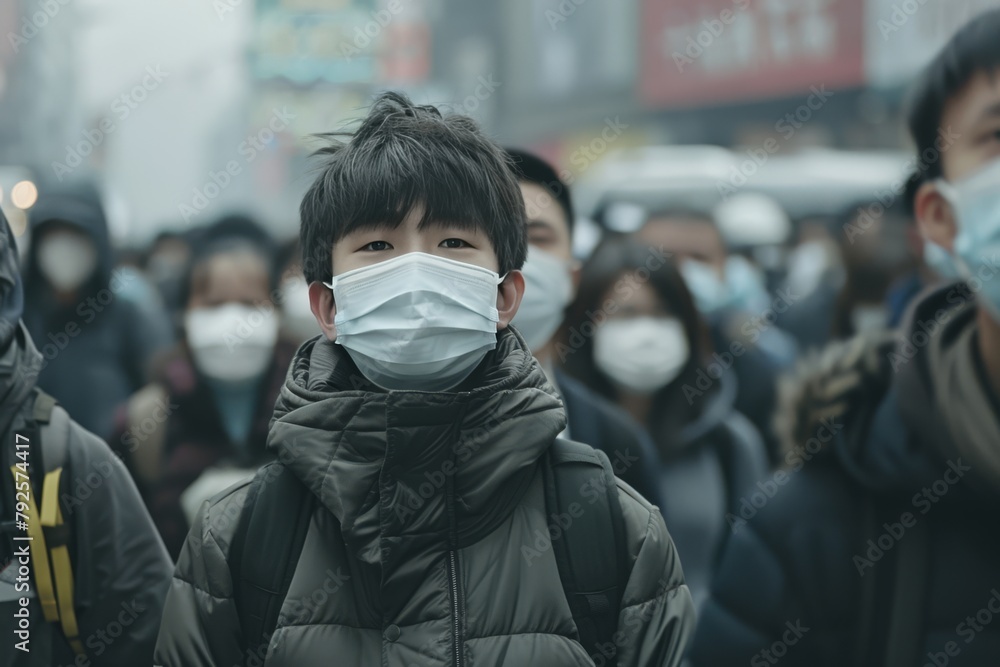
{"points": [[39, 556], [57, 540]]}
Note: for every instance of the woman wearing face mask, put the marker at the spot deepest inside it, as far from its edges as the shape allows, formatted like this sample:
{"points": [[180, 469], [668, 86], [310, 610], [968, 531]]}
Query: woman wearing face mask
{"points": [[202, 424], [634, 335]]}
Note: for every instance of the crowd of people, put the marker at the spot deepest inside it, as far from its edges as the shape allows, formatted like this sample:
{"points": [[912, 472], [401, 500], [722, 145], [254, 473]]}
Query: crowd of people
{"points": [[425, 432]]}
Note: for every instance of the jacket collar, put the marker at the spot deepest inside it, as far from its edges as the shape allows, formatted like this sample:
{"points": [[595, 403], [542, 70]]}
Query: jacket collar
{"points": [[414, 464]]}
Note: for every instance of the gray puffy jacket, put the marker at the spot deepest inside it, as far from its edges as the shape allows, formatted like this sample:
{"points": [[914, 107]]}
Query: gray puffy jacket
{"points": [[403, 565]]}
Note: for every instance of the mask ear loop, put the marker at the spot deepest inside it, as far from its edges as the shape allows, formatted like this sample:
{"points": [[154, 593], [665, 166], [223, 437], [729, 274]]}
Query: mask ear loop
{"points": [[950, 194]]}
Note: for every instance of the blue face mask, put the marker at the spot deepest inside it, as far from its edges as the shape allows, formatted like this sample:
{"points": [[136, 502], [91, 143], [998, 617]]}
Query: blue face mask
{"points": [[976, 203], [940, 261], [746, 285], [711, 293]]}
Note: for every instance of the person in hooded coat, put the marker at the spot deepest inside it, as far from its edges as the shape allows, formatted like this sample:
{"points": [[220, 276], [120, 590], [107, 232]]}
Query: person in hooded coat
{"points": [[877, 544], [634, 336], [97, 342], [121, 571]]}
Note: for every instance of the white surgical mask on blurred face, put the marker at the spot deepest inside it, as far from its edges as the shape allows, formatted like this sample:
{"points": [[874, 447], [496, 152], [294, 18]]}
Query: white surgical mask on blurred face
{"points": [[711, 293], [232, 342], [548, 288], [417, 321], [746, 285], [975, 201], [296, 312], [641, 354], [66, 259]]}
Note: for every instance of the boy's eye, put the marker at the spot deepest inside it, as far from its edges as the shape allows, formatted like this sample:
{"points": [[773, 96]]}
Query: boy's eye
{"points": [[375, 246], [454, 243]]}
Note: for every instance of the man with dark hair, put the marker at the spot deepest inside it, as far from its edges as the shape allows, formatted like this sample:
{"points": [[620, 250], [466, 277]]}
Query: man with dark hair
{"points": [[879, 544], [551, 276], [421, 511]]}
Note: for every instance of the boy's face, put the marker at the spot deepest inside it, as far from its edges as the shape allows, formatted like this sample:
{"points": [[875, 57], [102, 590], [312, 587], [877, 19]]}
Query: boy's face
{"points": [[367, 247], [971, 122]]}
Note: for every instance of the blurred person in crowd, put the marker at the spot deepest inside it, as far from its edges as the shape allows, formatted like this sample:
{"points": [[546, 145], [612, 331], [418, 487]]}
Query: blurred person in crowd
{"points": [[297, 320], [96, 336], [417, 449], [164, 264], [99, 551], [693, 239], [551, 276], [756, 230], [815, 274], [877, 255], [635, 336], [201, 424], [879, 545]]}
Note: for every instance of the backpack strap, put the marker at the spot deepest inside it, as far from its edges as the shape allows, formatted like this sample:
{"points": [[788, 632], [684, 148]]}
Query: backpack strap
{"points": [[265, 551], [46, 526], [581, 498]]}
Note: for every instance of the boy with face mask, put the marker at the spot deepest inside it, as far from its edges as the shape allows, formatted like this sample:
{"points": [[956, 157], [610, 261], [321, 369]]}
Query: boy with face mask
{"points": [[879, 546], [416, 430]]}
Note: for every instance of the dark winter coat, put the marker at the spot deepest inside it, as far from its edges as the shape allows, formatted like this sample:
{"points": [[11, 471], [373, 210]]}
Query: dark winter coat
{"points": [[904, 430], [443, 583], [121, 570]]}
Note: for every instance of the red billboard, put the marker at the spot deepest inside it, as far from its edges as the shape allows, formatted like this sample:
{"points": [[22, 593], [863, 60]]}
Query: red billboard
{"points": [[696, 52]]}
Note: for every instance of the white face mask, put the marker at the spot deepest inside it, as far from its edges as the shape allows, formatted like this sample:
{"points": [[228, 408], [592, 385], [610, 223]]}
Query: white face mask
{"points": [[232, 342], [548, 288], [710, 292], [641, 354], [296, 312], [66, 260], [417, 321], [975, 201]]}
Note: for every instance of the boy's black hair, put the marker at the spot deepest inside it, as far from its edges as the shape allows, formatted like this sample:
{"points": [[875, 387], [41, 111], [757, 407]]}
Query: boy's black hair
{"points": [[973, 49], [403, 156], [530, 168]]}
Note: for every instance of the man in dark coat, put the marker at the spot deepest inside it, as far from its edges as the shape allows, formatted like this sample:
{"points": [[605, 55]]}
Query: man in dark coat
{"points": [[120, 570], [879, 544]]}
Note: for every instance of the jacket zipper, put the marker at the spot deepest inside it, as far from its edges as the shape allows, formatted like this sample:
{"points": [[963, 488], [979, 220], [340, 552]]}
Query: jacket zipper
{"points": [[456, 617]]}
